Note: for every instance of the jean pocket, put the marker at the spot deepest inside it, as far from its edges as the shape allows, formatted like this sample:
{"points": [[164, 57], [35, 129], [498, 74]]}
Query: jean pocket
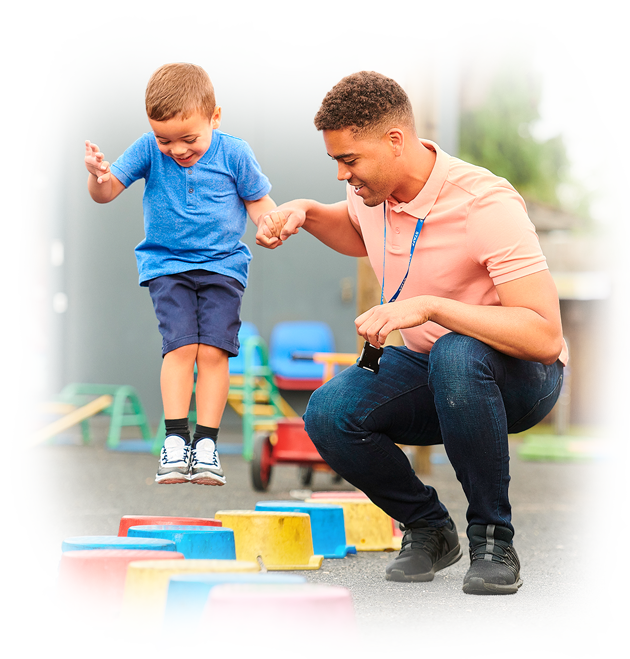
{"points": [[540, 410]]}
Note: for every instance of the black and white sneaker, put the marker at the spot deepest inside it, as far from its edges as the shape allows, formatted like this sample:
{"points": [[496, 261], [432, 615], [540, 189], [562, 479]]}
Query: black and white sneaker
{"points": [[174, 461], [206, 466], [494, 565]]}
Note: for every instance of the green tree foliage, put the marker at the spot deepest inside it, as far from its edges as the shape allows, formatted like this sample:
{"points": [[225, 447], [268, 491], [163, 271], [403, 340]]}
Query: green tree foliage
{"points": [[604, 198], [498, 136]]}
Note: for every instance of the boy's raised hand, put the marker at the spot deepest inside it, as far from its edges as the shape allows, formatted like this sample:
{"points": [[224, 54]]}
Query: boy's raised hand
{"points": [[95, 163]]}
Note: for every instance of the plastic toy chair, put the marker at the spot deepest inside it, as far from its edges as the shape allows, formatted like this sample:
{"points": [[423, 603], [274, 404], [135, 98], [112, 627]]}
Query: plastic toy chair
{"points": [[289, 338], [237, 364]]}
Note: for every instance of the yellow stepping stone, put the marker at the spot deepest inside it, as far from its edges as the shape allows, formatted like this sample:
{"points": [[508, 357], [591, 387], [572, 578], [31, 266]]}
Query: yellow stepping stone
{"points": [[282, 540], [146, 585]]}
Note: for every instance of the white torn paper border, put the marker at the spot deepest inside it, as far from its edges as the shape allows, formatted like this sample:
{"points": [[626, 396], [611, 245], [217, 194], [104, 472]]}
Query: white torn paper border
{"points": [[597, 40]]}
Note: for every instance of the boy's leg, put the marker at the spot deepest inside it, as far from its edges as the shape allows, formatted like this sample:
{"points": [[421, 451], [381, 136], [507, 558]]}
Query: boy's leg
{"points": [[175, 303], [219, 300], [177, 381], [213, 384]]}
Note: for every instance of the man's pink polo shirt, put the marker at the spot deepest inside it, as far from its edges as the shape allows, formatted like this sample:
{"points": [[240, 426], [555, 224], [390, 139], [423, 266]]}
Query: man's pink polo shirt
{"points": [[476, 235]]}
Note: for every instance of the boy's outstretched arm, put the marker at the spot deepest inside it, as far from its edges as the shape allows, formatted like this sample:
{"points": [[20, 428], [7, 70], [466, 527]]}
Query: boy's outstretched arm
{"points": [[103, 186]]}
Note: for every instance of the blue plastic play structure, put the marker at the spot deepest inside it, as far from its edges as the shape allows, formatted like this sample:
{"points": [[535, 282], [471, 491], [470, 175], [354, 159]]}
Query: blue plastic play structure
{"points": [[237, 364], [292, 338]]}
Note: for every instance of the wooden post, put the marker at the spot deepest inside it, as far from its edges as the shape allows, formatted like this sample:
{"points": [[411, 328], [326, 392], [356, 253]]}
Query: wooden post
{"points": [[421, 76]]}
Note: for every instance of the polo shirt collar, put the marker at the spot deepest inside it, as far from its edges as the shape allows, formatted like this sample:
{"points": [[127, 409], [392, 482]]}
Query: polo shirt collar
{"points": [[421, 205], [214, 145]]}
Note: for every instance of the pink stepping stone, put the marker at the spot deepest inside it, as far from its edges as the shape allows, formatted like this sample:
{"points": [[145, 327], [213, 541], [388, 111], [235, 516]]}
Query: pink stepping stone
{"points": [[298, 608], [93, 580]]}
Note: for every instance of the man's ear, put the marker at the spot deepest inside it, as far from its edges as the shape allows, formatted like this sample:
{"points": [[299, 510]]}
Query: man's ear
{"points": [[396, 139], [215, 122]]}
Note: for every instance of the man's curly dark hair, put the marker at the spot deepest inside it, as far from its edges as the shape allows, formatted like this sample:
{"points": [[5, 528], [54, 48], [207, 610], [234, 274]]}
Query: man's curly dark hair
{"points": [[365, 102]]}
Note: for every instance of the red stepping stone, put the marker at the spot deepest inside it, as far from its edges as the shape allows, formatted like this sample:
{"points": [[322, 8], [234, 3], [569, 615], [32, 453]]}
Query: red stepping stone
{"points": [[139, 520]]}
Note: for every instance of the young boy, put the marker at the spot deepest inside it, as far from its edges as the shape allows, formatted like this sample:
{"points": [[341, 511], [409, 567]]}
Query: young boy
{"points": [[200, 185]]}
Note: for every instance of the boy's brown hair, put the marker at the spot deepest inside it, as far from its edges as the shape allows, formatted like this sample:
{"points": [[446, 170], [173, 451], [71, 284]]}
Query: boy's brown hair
{"points": [[366, 102], [179, 89]]}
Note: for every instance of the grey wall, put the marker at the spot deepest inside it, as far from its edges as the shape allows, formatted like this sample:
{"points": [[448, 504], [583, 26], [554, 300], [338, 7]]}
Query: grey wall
{"points": [[112, 332]]}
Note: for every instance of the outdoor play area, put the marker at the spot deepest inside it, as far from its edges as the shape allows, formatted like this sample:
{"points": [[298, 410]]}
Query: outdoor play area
{"points": [[288, 559], [286, 539]]}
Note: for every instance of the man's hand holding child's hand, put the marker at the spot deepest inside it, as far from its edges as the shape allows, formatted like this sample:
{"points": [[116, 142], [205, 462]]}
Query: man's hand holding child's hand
{"points": [[270, 227], [95, 164]]}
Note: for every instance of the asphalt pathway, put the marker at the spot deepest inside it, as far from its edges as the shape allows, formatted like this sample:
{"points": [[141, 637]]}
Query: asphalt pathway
{"points": [[84, 490]]}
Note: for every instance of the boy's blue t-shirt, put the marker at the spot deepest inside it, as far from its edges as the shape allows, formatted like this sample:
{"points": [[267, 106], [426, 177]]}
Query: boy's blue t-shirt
{"points": [[194, 217]]}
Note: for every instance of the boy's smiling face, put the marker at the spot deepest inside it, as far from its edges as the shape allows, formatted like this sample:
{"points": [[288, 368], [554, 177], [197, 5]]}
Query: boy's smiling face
{"points": [[186, 140]]}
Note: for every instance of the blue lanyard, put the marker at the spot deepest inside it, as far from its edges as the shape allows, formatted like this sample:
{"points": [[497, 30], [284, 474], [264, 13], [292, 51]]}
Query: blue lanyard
{"points": [[414, 240]]}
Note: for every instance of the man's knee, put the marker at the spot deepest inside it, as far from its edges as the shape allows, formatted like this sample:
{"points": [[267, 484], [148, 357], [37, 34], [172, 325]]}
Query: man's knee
{"points": [[327, 415], [318, 416], [455, 361]]}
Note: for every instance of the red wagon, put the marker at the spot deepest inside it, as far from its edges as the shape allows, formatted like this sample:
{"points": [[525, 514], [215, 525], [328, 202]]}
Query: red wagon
{"points": [[289, 443]]}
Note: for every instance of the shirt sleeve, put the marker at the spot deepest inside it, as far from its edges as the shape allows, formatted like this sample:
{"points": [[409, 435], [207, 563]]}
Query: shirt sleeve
{"points": [[251, 183], [501, 236], [135, 162]]}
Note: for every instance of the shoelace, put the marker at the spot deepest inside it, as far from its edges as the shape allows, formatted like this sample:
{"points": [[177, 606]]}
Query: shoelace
{"points": [[497, 552], [212, 458], [421, 539], [173, 454]]}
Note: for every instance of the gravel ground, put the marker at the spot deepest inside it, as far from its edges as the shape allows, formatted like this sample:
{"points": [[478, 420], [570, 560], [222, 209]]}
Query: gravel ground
{"points": [[567, 518]]}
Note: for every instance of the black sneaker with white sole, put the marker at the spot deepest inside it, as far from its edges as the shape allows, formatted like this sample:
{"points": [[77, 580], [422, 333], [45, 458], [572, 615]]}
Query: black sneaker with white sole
{"points": [[494, 565], [425, 550], [174, 461], [206, 466]]}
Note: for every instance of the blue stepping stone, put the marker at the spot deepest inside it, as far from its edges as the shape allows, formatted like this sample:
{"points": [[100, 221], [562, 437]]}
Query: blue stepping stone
{"points": [[191, 541], [188, 593], [116, 542]]}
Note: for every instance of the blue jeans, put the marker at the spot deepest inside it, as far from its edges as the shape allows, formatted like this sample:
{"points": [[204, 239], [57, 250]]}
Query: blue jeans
{"points": [[463, 394]]}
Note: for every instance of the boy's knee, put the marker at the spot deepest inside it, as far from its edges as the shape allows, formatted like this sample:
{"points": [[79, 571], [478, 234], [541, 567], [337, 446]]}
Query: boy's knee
{"points": [[208, 355], [187, 353]]}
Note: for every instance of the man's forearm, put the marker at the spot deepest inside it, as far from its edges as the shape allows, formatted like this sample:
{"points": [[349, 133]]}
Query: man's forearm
{"points": [[330, 223], [515, 331], [526, 324]]}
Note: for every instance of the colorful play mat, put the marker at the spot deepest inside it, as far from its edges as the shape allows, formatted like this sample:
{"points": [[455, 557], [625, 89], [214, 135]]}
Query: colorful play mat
{"points": [[564, 448]]}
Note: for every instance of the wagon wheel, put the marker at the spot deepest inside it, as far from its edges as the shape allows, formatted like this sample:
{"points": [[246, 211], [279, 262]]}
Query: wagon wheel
{"points": [[261, 462], [305, 475]]}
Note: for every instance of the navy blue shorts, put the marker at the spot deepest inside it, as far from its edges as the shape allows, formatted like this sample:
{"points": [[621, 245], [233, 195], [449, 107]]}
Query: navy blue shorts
{"points": [[197, 306]]}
